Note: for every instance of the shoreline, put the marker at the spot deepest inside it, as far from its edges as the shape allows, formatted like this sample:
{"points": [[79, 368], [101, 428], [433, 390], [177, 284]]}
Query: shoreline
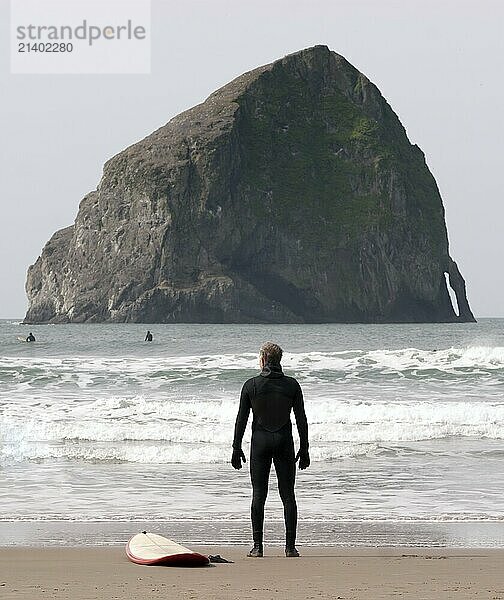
{"points": [[324, 572], [236, 532]]}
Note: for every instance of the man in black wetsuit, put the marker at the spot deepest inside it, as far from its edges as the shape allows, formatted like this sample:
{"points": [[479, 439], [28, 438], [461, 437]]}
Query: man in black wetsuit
{"points": [[148, 337], [271, 396], [30, 338]]}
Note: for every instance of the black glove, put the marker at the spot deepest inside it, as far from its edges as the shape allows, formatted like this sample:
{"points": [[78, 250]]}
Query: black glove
{"points": [[237, 458], [304, 459]]}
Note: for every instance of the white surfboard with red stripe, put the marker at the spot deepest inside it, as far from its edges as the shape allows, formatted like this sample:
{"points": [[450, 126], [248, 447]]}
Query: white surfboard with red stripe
{"points": [[152, 549]]}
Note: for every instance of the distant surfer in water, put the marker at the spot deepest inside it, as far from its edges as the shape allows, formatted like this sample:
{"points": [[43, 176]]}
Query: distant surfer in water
{"points": [[148, 337], [30, 338], [271, 396]]}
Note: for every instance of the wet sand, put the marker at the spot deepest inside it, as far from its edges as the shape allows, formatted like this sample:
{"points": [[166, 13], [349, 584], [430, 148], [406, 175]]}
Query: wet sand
{"points": [[336, 573]]}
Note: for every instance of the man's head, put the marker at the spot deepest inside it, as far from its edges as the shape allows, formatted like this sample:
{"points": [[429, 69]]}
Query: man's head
{"points": [[270, 353]]}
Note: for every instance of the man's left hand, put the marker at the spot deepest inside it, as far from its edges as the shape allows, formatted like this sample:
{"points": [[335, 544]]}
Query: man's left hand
{"points": [[304, 459]]}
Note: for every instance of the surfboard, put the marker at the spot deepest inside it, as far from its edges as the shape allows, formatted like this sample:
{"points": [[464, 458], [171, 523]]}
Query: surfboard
{"points": [[20, 339], [151, 549]]}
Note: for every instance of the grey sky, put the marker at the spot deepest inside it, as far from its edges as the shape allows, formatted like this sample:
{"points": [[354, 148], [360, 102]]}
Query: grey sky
{"points": [[439, 63]]}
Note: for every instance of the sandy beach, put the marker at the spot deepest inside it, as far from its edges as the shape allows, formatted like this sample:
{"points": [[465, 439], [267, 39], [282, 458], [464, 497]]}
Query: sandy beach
{"points": [[96, 573]]}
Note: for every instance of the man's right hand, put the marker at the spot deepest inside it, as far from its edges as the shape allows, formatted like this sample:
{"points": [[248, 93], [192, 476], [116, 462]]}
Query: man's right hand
{"points": [[237, 459]]}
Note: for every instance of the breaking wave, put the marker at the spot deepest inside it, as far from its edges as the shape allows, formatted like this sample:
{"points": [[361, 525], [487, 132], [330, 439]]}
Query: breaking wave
{"points": [[174, 409]]}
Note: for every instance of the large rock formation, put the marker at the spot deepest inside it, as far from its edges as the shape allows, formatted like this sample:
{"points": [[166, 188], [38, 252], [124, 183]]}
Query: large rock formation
{"points": [[292, 194]]}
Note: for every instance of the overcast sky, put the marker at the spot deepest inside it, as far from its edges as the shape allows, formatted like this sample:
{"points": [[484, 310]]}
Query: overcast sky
{"points": [[439, 63]]}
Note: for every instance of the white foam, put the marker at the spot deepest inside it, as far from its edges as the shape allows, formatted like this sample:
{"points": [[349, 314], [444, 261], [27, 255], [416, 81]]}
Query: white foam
{"points": [[451, 360], [155, 453], [59, 407], [166, 431]]}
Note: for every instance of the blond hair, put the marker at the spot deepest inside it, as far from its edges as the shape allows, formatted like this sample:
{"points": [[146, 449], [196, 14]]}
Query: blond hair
{"points": [[271, 353]]}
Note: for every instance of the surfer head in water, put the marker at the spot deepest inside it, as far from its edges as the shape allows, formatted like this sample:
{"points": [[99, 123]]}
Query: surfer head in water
{"points": [[30, 338], [271, 396]]}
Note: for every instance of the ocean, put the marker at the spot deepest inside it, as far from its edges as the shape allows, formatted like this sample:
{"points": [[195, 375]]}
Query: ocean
{"points": [[102, 433]]}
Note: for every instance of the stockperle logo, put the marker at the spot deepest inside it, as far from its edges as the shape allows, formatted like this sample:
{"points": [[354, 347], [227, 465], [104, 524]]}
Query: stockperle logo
{"points": [[80, 36]]}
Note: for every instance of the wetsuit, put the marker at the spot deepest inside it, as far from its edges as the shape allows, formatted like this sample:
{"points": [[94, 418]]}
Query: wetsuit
{"points": [[271, 396], [30, 338], [148, 337]]}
